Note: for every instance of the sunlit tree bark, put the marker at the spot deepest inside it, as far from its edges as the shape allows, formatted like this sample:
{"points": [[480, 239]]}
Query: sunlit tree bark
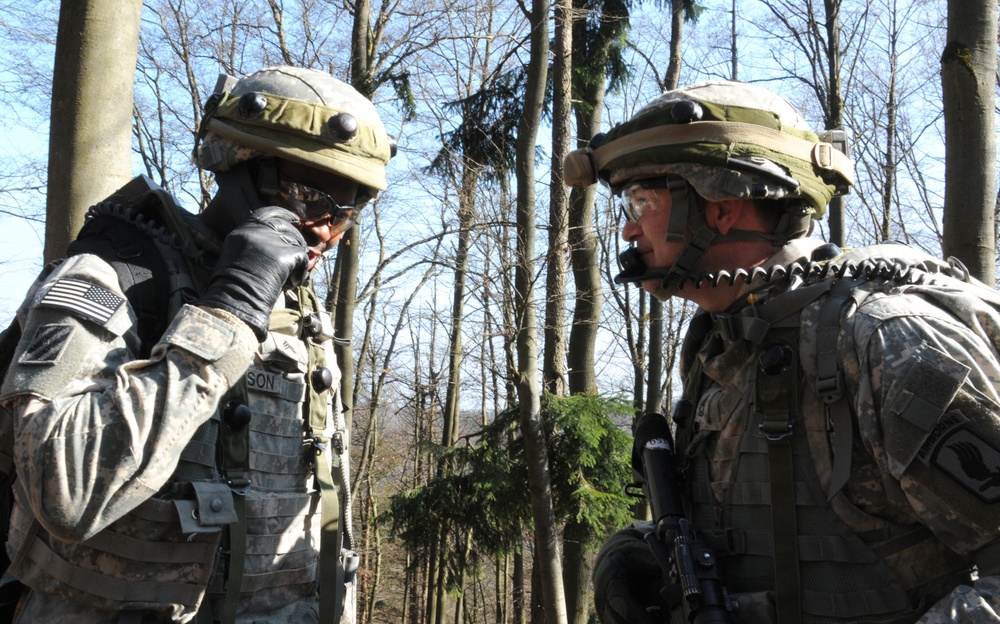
{"points": [[90, 125], [529, 393], [968, 73]]}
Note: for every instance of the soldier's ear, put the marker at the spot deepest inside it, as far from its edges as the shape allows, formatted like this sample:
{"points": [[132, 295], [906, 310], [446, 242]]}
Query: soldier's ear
{"points": [[725, 214]]}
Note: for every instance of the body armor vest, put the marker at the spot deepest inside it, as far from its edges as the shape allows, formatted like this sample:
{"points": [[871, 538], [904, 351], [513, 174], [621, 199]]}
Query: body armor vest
{"points": [[846, 562]]}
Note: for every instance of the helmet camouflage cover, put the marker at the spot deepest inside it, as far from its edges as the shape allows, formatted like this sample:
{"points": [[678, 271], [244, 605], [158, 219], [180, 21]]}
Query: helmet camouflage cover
{"points": [[727, 139], [301, 115]]}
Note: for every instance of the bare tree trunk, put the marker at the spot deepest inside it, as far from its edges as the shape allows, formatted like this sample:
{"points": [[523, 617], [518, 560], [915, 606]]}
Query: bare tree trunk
{"points": [[449, 430], [733, 48], [500, 589], [577, 540], [518, 601], [436, 581], [835, 108], [462, 599], [374, 543], [889, 166], [589, 294], [539, 480], [409, 589], [672, 78], [968, 73], [466, 201], [346, 267], [639, 360], [554, 357], [537, 611], [576, 571], [584, 249], [582, 377], [654, 366], [90, 131], [346, 274]]}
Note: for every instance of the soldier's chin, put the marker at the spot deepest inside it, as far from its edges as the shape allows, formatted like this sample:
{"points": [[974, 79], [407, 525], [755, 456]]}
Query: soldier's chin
{"points": [[656, 288]]}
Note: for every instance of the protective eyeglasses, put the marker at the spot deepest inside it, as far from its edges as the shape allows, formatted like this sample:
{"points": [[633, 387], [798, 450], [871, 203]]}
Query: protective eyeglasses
{"points": [[314, 206], [639, 197]]}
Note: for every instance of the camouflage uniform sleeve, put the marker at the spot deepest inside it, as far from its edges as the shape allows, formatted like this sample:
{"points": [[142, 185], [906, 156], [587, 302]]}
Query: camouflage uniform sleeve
{"points": [[98, 431], [929, 415]]}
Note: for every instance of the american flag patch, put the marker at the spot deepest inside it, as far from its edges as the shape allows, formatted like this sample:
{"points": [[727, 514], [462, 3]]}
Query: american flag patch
{"points": [[84, 298]]}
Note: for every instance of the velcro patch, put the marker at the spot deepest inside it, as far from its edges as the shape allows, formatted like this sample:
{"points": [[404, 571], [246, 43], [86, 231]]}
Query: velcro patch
{"points": [[941, 431], [261, 380], [971, 461], [264, 381], [85, 299], [47, 345]]}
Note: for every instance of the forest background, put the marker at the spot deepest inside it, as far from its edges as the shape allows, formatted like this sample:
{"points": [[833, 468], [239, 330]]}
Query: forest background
{"points": [[450, 392]]}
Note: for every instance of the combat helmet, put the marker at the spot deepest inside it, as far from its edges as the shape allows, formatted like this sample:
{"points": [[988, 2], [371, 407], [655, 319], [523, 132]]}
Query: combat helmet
{"points": [[299, 115], [713, 141]]}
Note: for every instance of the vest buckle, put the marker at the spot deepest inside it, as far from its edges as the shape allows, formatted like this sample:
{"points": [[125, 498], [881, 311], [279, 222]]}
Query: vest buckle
{"points": [[774, 432]]}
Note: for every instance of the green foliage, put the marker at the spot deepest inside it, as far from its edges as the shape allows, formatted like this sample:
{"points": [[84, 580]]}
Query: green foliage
{"points": [[589, 458], [599, 41], [401, 86], [692, 10], [484, 494], [487, 130]]}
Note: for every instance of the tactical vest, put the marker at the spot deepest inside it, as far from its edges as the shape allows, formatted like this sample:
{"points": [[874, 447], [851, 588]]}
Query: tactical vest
{"points": [[779, 529], [255, 494]]}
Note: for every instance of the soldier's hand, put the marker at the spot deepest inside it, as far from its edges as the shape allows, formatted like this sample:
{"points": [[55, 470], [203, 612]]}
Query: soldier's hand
{"points": [[628, 580], [258, 259]]}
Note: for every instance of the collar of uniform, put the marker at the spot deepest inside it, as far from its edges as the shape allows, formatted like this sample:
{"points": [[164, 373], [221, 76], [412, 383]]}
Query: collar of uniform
{"points": [[779, 309], [796, 250], [763, 305]]}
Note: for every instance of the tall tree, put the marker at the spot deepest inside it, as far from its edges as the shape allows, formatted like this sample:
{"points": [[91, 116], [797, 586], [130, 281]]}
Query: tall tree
{"points": [[90, 126], [346, 268], [818, 39], [968, 75], [554, 353], [671, 78], [598, 35], [890, 83], [479, 149], [891, 129], [833, 108], [576, 568], [598, 29], [528, 391]]}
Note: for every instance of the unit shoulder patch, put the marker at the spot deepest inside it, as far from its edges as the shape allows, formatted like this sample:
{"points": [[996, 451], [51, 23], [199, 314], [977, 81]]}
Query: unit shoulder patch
{"points": [[47, 344], [969, 459]]}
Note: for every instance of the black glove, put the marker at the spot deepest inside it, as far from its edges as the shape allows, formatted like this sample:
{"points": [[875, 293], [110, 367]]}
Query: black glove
{"points": [[628, 580], [258, 258]]}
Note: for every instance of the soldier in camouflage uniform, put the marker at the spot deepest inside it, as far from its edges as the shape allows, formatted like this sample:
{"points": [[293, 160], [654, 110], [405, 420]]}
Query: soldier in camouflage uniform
{"points": [[839, 436], [202, 477]]}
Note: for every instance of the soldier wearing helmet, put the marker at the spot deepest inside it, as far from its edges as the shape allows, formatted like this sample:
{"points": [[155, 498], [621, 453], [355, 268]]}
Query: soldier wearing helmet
{"points": [[838, 439], [172, 409]]}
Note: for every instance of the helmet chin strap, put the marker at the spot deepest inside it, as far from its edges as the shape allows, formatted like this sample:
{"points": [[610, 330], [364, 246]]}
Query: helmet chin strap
{"points": [[237, 196], [686, 213], [266, 178]]}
